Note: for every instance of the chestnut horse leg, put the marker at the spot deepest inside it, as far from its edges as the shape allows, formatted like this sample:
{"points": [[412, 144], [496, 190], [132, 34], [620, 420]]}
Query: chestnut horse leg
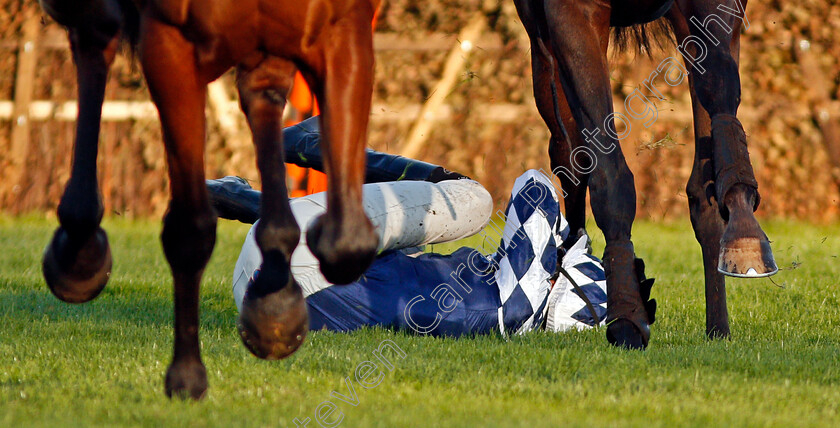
{"points": [[554, 110], [579, 32], [77, 262], [273, 321], [744, 247], [189, 227], [343, 239]]}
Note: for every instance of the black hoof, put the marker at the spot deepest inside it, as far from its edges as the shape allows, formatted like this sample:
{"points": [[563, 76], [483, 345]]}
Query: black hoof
{"points": [[186, 380], [77, 269], [718, 333], [273, 325], [625, 334], [344, 257]]}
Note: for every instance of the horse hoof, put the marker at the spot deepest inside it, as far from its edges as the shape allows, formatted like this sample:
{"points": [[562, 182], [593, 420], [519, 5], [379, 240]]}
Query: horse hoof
{"points": [[273, 326], [344, 257], [718, 332], [624, 334], [76, 270], [747, 258], [186, 380]]}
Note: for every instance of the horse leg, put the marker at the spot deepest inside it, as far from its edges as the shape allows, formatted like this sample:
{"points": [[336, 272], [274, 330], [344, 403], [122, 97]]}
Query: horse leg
{"points": [[343, 239], [77, 262], [189, 227], [561, 143], [744, 247], [703, 206], [708, 229], [554, 110], [579, 32], [273, 321], [574, 188], [707, 224]]}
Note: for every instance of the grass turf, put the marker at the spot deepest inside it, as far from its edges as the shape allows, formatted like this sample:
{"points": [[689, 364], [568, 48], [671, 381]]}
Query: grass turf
{"points": [[102, 363]]}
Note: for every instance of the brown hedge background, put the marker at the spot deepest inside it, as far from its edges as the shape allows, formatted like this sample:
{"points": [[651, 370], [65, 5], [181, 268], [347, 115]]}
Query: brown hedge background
{"points": [[790, 79]]}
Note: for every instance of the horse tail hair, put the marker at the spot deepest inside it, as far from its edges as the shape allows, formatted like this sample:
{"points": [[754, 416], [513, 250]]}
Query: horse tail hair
{"points": [[130, 28], [644, 38]]}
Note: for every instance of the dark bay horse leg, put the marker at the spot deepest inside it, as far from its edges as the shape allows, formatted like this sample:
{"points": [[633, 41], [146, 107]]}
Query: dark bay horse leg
{"points": [[708, 226], [716, 86], [189, 228], [77, 262], [702, 203], [564, 138], [273, 321], [342, 78], [579, 33], [554, 110]]}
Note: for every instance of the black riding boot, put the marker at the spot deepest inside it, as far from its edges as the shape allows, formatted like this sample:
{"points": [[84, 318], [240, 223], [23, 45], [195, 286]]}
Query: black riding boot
{"points": [[234, 199], [302, 143]]}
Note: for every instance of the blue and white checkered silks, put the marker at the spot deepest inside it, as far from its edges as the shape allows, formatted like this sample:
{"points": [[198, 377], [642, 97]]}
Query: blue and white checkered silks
{"points": [[566, 308], [527, 255], [508, 291]]}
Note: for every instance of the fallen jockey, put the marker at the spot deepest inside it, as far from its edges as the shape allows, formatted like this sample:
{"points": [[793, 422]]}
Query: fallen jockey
{"points": [[518, 288]]}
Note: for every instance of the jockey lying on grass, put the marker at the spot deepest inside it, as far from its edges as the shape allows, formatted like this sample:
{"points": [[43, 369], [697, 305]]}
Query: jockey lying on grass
{"points": [[411, 204]]}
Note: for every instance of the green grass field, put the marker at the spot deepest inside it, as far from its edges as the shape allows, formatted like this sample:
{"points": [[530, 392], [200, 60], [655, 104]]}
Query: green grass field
{"points": [[102, 363]]}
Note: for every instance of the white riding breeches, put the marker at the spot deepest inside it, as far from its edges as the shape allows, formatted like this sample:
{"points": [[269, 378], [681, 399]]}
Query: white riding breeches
{"points": [[404, 214]]}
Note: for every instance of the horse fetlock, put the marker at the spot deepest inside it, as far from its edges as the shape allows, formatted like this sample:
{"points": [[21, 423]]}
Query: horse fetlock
{"points": [[731, 160], [273, 325], [186, 379], [282, 238], [742, 198], [77, 268], [80, 215], [188, 241], [345, 250]]}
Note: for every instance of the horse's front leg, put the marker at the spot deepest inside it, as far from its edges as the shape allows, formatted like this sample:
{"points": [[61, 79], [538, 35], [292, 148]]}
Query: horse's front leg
{"points": [[189, 228], [77, 262], [708, 228], [343, 239], [554, 110], [579, 32], [273, 321], [703, 205], [711, 51]]}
